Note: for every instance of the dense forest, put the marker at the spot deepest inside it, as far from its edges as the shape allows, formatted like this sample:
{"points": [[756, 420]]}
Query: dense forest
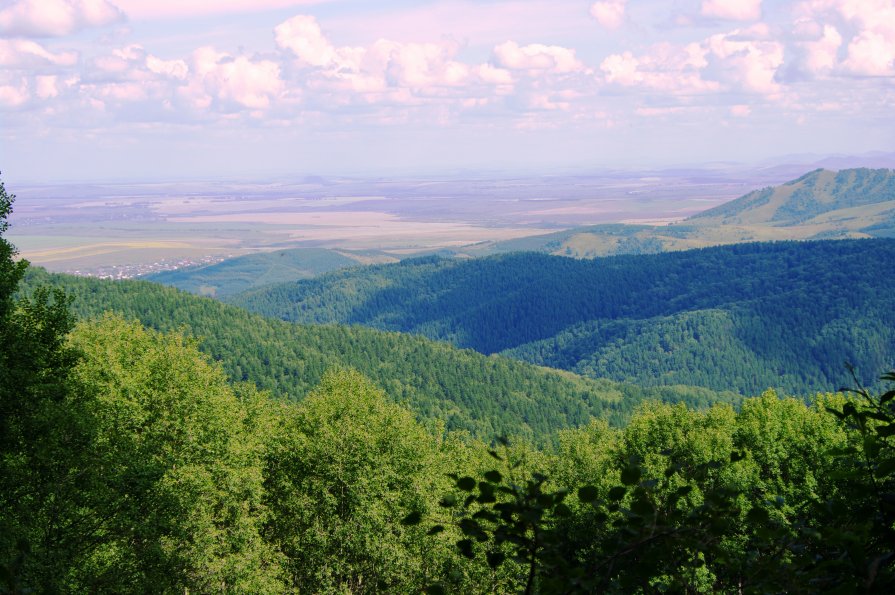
{"points": [[462, 389], [130, 462], [241, 273], [742, 318]]}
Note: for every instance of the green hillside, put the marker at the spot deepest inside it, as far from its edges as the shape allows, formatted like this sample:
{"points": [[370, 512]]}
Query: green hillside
{"points": [[741, 317], [822, 204], [130, 464], [839, 197], [487, 396], [254, 270]]}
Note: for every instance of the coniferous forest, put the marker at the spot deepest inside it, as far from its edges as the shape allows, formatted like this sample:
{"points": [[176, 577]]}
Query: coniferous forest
{"points": [[154, 441], [742, 317]]}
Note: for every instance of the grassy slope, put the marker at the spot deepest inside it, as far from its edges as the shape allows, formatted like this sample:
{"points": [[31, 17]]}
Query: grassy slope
{"points": [[852, 203]]}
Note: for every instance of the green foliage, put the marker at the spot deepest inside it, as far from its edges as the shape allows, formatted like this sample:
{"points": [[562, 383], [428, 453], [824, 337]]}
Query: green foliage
{"points": [[852, 545], [632, 537], [127, 463], [253, 270], [838, 196], [486, 396], [344, 468], [740, 318], [780, 497], [177, 502], [42, 433], [11, 272]]}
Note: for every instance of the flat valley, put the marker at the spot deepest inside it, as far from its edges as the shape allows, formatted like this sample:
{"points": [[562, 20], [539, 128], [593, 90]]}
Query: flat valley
{"points": [[125, 230]]}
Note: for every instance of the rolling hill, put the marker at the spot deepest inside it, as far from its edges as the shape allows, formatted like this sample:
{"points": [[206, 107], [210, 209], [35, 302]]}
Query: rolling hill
{"points": [[255, 270], [464, 390], [822, 204], [741, 317]]}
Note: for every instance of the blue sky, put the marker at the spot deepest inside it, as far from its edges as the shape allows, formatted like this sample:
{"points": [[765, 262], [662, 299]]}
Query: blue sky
{"points": [[253, 89]]}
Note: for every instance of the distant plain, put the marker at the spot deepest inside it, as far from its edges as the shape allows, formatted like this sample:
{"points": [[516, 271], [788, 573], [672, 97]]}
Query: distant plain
{"points": [[143, 228]]}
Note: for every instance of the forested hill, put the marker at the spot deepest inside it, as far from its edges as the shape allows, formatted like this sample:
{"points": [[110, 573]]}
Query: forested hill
{"points": [[487, 396], [818, 197], [822, 204], [254, 270], [741, 317]]}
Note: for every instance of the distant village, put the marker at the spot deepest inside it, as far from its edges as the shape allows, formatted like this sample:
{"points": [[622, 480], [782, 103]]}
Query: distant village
{"points": [[132, 271]]}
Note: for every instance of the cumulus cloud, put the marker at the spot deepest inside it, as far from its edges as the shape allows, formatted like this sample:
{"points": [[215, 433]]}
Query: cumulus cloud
{"points": [[55, 18], [609, 13], [741, 60], [871, 53], [176, 69], [867, 25], [46, 86], [24, 53], [733, 10], [14, 95], [872, 50], [302, 35], [307, 73], [226, 79], [537, 57], [667, 68], [821, 54], [385, 71], [493, 75]]}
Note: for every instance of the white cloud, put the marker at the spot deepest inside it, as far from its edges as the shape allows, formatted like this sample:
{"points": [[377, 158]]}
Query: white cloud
{"points": [[55, 18], [425, 65], [733, 10], [166, 9], [622, 69], [310, 74], [537, 56], [128, 91], [667, 68], [302, 35], [821, 54], [233, 80], [870, 29], [609, 13], [177, 69], [386, 71], [47, 86], [121, 63], [871, 53], [742, 61], [495, 76], [14, 95], [23, 53]]}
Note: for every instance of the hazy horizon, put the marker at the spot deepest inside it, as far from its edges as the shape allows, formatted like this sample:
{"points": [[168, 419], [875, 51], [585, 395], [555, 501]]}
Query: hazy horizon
{"points": [[117, 90]]}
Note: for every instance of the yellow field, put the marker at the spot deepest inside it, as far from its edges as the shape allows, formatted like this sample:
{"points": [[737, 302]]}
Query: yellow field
{"points": [[98, 249]]}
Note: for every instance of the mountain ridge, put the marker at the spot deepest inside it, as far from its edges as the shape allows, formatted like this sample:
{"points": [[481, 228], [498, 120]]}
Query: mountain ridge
{"points": [[821, 204], [779, 298], [485, 395]]}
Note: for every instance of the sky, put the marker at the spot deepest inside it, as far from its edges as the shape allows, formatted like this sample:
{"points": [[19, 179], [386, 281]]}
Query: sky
{"points": [[258, 89]]}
